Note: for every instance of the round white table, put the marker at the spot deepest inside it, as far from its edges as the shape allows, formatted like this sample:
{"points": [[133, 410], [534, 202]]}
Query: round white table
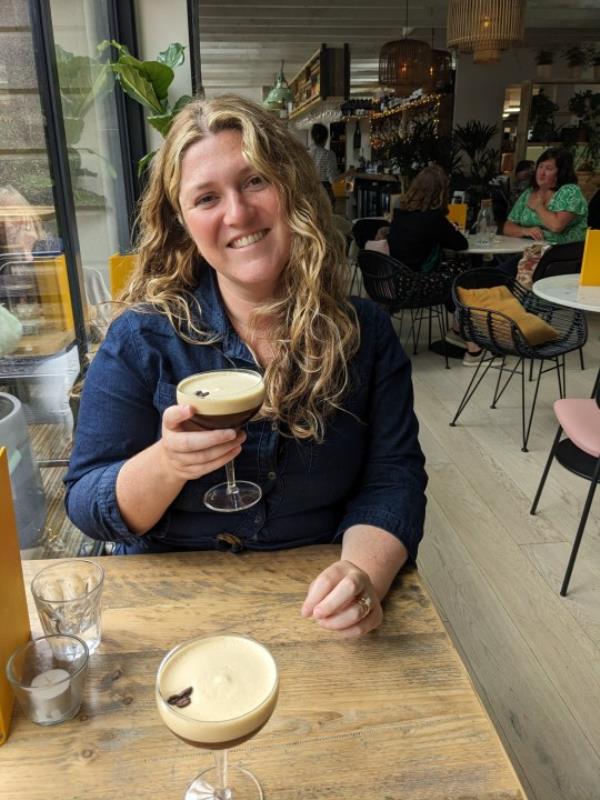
{"points": [[564, 290], [499, 245]]}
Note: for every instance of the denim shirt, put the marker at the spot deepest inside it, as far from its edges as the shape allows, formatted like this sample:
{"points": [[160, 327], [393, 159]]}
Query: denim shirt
{"points": [[369, 468]]}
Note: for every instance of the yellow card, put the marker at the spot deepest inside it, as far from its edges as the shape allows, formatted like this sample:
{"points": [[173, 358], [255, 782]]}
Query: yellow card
{"points": [[14, 618], [590, 265]]}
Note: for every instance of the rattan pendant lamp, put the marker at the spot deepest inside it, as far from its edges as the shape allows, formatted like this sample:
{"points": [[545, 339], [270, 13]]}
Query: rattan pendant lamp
{"points": [[485, 27], [404, 64]]}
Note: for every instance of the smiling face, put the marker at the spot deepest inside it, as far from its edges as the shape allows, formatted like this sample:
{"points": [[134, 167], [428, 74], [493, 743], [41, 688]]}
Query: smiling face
{"points": [[234, 216], [546, 174]]}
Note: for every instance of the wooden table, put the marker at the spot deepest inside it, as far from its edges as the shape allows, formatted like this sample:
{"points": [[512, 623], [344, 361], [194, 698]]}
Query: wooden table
{"points": [[392, 716]]}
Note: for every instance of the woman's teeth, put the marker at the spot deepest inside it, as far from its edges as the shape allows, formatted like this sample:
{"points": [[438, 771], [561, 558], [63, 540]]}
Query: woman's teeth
{"points": [[244, 241]]}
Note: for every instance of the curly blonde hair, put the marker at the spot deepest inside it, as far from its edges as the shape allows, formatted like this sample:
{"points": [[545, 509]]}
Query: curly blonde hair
{"points": [[428, 191], [313, 325]]}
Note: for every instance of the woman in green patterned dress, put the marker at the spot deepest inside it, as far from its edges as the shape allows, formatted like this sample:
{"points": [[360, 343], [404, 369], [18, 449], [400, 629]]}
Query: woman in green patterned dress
{"points": [[554, 209]]}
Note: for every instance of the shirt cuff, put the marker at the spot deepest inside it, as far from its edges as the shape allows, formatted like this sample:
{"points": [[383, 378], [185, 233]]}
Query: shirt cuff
{"points": [[408, 530], [109, 512]]}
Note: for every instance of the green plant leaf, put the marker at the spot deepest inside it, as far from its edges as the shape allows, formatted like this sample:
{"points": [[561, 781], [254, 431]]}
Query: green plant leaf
{"points": [[159, 75], [144, 162], [137, 87], [161, 122], [182, 103], [106, 43], [173, 56]]}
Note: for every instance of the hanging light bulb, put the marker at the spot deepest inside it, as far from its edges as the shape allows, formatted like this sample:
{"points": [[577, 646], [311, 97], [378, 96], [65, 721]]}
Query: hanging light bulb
{"points": [[404, 63], [281, 97]]}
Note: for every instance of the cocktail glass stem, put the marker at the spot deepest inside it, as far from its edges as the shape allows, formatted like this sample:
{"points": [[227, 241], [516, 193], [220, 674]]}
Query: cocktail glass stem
{"points": [[232, 488], [221, 790]]}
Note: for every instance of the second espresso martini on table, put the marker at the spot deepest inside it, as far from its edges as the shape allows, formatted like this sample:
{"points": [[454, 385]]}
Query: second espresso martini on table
{"points": [[216, 692], [226, 398]]}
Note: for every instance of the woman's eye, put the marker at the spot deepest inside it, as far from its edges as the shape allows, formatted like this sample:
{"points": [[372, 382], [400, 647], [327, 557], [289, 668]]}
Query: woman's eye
{"points": [[205, 200], [256, 181]]}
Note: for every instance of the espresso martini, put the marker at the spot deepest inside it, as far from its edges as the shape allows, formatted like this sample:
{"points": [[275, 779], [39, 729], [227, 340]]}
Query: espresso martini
{"points": [[217, 691], [225, 398]]}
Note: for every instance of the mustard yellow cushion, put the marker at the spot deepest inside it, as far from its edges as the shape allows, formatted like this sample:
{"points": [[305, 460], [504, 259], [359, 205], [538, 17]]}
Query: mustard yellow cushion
{"points": [[499, 298]]}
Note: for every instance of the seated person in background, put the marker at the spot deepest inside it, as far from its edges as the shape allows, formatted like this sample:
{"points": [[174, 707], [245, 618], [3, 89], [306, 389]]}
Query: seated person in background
{"points": [[523, 174], [553, 209], [240, 265], [325, 160], [419, 230]]}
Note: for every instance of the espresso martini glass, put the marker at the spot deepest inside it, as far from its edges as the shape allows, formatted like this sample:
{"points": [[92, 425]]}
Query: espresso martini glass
{"points": [[216, 692], [225, 398]]}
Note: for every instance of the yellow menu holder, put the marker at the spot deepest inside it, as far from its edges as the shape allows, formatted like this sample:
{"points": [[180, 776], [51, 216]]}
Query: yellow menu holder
{"points": [[590, 264], [457, 212], [14, 618]]}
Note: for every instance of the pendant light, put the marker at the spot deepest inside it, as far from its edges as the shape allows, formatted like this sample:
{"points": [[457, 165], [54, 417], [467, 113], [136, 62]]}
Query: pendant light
{"points": [[280, 97], [485, 27], [404, 63], [440, 68]]}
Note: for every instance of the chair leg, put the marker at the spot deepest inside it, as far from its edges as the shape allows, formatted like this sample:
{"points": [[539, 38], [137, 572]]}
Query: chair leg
{"points": [[538, 494], [441, 318], [471, 391], [581, 358], [500, 371], [535, 394], [557, 366], [498, 395], [580, 529]]}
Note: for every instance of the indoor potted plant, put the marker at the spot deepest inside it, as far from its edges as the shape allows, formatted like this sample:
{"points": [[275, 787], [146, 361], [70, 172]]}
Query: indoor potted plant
{"points": [[544, 60], [594, 60], [576, 59]]}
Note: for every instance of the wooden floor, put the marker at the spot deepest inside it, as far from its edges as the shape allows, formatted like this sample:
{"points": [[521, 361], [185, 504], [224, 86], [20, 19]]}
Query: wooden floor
{"points": [[494, 571]]}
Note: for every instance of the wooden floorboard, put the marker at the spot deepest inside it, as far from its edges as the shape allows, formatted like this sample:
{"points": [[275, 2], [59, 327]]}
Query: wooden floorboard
{"points": [[494, 571]]}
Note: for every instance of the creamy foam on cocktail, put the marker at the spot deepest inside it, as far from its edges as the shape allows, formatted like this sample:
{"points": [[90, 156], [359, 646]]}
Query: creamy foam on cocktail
{"points": [[223, 398], [234, 682]]}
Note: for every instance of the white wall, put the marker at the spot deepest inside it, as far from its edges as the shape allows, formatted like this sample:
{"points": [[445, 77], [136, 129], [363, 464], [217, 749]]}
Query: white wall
{"points": [[158, 24], [479, 88]]}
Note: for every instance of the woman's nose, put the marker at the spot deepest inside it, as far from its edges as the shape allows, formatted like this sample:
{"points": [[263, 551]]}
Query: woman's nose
{"points": [[238, 209]]}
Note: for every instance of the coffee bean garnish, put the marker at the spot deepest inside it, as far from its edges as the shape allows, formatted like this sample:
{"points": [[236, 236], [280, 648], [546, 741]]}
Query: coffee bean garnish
{"points": [[182, 699], [200, 393]]}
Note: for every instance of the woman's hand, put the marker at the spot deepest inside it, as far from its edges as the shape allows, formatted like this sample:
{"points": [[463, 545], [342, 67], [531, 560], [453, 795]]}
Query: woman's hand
{"points": [[342, 598], [535, 201], [534, 233], [191, 452]]}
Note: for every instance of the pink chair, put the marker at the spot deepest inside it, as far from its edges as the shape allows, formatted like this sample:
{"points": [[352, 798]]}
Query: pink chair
{"points": [[579, 453]]}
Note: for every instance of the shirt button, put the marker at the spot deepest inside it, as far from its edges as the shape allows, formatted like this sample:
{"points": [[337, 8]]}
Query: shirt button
{"points": [[271, 476], [274, 426]]}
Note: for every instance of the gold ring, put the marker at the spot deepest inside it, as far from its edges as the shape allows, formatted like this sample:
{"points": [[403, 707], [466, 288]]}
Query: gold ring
{"points": [[365, 603]]}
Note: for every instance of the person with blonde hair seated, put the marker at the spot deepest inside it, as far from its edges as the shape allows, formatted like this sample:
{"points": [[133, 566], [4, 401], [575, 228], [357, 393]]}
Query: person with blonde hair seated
{"points": [[240, 265], [419, 230]]}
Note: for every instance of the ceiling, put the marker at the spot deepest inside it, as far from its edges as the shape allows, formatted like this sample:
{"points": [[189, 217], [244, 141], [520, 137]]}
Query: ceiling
{"points": [[242, 42]]}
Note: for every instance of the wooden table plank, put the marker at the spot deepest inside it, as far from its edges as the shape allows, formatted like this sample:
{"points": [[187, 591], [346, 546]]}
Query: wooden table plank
{"points": [[392, 716]]}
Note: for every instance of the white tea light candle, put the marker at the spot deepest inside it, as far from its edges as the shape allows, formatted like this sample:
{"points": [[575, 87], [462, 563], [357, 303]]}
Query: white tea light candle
{"points": [[50, 696]]}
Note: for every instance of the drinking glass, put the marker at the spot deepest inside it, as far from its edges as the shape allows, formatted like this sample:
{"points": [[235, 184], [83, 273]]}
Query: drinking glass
{"points": [[68, 598], [226, 398], [215, 692]]}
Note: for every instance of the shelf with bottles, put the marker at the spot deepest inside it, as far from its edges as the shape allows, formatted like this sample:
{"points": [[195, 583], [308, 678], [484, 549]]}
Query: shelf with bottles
{"points": [[394, 124], [325, 74]]}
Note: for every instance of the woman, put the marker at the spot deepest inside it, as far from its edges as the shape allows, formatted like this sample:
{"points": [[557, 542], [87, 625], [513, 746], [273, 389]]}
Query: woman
{"points": [[240, 265], [553, 209], [419, 230]]}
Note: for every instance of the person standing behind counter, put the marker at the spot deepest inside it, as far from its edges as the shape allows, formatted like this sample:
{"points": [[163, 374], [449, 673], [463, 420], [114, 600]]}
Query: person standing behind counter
{"points": [[240, 265], [325, 160]]}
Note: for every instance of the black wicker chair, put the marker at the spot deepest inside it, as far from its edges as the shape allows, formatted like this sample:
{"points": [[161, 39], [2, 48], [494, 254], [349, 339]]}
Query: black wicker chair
{"points": [[500, 337], [397, 288]]}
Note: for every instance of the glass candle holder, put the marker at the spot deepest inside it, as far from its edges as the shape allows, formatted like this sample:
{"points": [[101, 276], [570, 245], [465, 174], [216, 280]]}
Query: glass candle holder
{"points": [[47, 676]]}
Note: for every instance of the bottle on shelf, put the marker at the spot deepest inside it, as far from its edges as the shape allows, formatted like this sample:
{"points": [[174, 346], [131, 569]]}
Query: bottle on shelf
{"points": [[485, 227]]}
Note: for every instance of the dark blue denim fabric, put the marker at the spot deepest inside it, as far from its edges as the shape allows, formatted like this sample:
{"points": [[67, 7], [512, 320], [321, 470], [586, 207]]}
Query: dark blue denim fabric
{"points": [[369, 469]]}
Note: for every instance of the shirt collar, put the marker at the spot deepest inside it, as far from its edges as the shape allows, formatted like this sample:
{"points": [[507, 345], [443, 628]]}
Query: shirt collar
{"points": [[214, 319]]}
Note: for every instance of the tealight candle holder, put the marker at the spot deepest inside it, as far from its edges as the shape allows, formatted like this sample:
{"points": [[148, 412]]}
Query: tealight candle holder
{"points": [[48, 676]]}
